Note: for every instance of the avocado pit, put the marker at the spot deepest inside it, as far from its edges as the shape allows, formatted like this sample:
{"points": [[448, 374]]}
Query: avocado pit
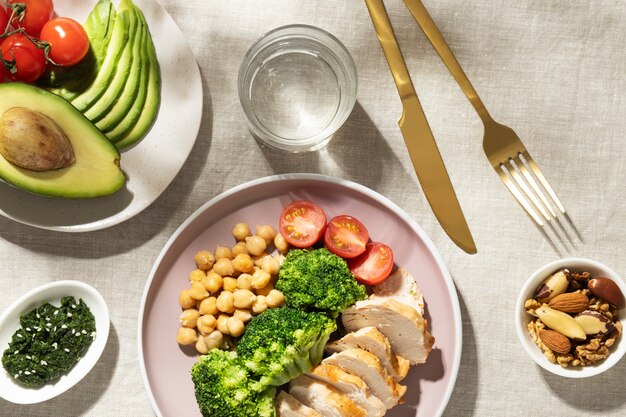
{"points": [[32, 140]]}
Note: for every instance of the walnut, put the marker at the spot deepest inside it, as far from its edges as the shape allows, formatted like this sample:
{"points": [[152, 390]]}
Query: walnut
{"points": [[531, 305], [549, 355], [564, 360], [580, 276]]}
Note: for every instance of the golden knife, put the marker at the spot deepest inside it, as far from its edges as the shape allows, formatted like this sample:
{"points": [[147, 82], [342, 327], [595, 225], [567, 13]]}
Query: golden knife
{"points": [[420, 143]]}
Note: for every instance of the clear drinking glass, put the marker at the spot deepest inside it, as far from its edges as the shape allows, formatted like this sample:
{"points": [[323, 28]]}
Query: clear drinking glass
{"points": [[297, 86]]}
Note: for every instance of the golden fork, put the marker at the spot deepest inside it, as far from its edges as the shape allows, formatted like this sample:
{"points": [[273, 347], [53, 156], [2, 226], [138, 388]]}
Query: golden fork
{"points": [[504, 149]]}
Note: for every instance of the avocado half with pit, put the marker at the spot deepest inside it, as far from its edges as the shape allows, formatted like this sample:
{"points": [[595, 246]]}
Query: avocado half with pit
{"points": [[48, 147]]}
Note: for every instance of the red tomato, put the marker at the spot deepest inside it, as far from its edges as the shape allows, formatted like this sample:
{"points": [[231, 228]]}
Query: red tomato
{"points": [[30, 61], [302, 223], [4, 20], [68, 40], [37, 13], [345, 236], [374, 265]]}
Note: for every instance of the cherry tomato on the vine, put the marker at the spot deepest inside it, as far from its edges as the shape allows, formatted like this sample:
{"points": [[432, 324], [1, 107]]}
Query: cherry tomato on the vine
{"points": [[37, 13], [68, 40], [4, 20], [30, 61]]}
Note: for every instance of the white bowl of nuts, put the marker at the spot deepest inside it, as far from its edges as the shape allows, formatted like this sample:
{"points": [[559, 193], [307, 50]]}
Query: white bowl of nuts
{"points": [[570, 316]]}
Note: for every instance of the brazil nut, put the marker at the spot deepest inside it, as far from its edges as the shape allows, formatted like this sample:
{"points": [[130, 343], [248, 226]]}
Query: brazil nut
{"points": [[607, 289], [594, 322], [552, 286]]}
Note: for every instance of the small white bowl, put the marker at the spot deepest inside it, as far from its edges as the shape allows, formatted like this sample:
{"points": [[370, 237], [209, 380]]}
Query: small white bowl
{"points": [[522, 318], [52, 293]]}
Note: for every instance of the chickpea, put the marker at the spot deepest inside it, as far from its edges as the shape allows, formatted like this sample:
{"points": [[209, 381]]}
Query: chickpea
{"points": [[270, 265], [223, 252], [189, 317], [224, 267], [243, 314], [275, 299], [213, 282], [185, 300], [196, 275], [243, 263], [230, 284], [244, 281], [265, 290], [267, 232], [258, 260], [239, 248], [256, 245], [186, 336], [204, 260], [260, 279], [206, 324], [201, 346], [243, 298], [241, 231], [260, 305], [197, 291], [208, 306], [281, 244], [214, 340], [235, 326], [225, 302], [221, 323]]}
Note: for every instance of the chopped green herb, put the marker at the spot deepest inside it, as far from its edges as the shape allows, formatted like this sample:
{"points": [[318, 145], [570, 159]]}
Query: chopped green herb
{"points": [[50, 342]]}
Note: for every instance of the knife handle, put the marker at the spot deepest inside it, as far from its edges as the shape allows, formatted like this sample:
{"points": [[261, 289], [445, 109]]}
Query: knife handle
{"points": [[421, 15], [389, 43]]}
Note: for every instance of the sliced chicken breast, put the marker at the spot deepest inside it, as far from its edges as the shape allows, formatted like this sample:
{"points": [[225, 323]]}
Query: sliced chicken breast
{"points": [[323, 398], [400, 286], [289, 406], [403, 325], [366, 366], [372, 340], [352, 386]]}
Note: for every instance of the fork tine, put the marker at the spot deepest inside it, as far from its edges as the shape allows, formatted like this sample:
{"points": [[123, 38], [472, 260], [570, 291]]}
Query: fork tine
{"points": [[502, 172], [542, 180], [529, 194], [522, 167]]}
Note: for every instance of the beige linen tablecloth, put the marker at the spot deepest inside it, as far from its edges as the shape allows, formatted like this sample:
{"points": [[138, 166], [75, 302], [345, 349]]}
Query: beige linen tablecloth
{"points": [[553, 70]]}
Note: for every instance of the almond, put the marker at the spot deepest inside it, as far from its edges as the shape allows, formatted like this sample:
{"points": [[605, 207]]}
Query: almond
{"points": [[571, 302], [555, 341]]}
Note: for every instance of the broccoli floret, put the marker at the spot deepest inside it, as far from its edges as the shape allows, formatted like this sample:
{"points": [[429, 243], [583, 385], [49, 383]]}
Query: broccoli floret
{"points": [[318, 279], [225, 388], [282, 343]]}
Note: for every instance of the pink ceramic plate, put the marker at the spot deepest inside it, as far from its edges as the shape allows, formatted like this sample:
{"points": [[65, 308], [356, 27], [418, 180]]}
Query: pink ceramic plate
{"points": [[166, 367]]}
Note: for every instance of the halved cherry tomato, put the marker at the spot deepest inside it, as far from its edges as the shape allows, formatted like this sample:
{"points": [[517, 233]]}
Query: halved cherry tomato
{"points": [[30, 61], [37, 13], [374, 265], [68, 40], [302, 223], [345, 236]]}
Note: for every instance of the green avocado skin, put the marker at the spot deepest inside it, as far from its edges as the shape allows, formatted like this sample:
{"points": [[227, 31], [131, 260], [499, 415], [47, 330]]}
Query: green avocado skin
{"points": [[96, 171]]}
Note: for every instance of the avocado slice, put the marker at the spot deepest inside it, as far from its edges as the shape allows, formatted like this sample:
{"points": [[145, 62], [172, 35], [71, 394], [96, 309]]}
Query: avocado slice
{"points": [[96, 170], [130, 92], [117, 45], [142, 115], [123, 70]]}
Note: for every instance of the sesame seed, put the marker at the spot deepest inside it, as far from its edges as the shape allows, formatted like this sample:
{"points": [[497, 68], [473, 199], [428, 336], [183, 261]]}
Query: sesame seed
{"points": [[28, 329], [28, 357], [27, 373], [15, 376], [73, 305], [83, 331], [48, 324], [19, 335], [64, 326], [16, 352], [47, 318], [66, 349], [77, 334], [44, 363], [55, 345], [69, 314], [38, 316], [56, 312]]}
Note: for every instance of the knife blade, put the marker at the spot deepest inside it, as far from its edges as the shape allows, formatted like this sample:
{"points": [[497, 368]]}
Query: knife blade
{"points": [[420, 142]]}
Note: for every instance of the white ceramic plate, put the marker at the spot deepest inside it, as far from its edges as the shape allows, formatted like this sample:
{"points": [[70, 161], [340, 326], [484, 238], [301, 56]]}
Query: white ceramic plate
{"points": [[153, 163], [52, 293], [165, 366]]}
